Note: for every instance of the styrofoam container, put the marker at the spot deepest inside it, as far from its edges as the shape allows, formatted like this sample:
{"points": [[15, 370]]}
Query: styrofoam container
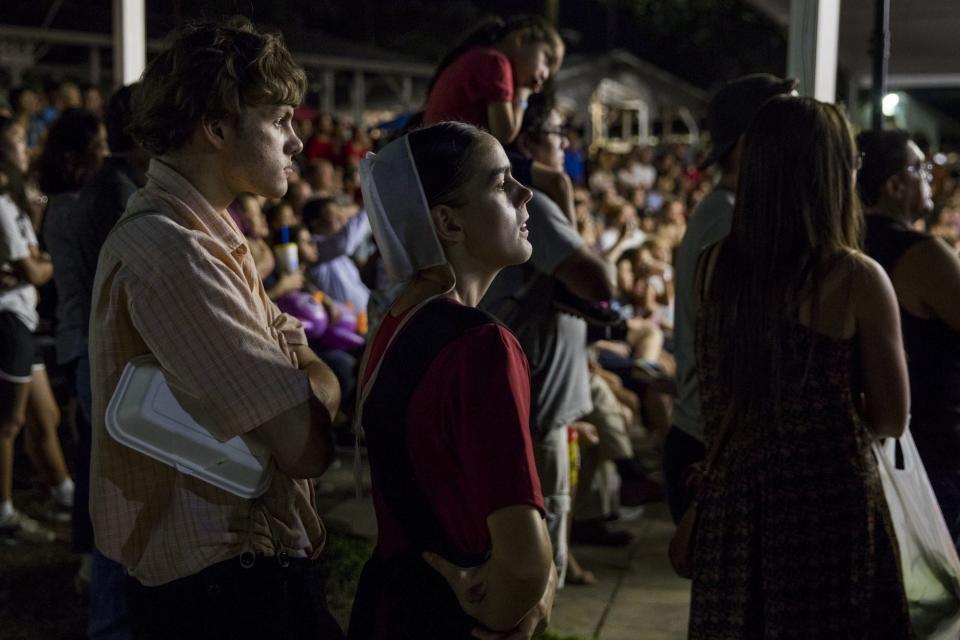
{"points": [[144, 415]]}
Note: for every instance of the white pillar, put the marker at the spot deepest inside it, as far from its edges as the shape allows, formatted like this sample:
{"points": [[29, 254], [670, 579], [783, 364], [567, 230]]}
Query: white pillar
{"points": [[812, 58], [406, 92], [854, 108], [129, 41], [329, 101], [359, 97], [643, 123]]}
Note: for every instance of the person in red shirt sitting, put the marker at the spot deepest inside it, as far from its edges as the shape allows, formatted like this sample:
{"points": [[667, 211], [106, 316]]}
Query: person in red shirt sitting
{"points": [[445, 401], [323, 144], [487, 80]]}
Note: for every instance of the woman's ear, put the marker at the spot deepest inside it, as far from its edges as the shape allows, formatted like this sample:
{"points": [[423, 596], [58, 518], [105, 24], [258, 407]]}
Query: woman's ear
{"points": [[446, 224]]}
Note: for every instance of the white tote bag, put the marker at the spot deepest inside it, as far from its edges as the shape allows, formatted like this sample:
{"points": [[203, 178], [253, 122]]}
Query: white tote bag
{"points": [[931, 570]]}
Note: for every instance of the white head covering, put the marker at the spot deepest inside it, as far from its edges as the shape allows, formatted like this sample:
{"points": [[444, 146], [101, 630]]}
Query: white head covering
{"points": [[403, 228], [399, 216]]}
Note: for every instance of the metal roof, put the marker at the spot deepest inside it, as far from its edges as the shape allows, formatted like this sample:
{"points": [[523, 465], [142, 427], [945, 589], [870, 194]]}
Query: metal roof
{"points": [[924, 48]]}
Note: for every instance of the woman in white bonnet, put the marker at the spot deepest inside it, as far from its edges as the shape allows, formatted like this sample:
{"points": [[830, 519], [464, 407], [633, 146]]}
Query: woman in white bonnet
{"points": [[462, 547]]}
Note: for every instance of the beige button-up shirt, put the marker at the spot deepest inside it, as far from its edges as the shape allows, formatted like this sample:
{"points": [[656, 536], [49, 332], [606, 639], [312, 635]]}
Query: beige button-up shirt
{"points": [[181, 285]]}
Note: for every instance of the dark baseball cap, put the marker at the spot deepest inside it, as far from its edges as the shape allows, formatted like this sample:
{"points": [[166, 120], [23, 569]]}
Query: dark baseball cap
{"points": [[734, 106]]}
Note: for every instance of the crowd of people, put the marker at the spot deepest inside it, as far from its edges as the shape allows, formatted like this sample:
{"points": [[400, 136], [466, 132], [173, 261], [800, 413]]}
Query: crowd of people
{"points": [[502, 314]]}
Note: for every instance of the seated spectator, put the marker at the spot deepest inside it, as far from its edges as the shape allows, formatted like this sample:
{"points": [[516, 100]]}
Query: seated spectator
{"points": [[342, 362], [574, 158], [653, 266], [321, 175], [279, 215], [257, 231], [298, 192], [622, 231], [355, 147], [610, 476], [602, 176], [323, 144], [638, 171], [338, 232], [26, 110]]}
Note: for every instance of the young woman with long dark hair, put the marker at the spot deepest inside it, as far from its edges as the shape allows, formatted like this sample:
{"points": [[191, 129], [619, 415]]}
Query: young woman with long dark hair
{"points": [[800, 367]]}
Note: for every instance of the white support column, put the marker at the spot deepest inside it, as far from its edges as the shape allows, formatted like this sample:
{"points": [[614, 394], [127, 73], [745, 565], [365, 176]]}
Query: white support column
{"points": [[812, 57], [329, 101], [853, 103], [129, 40], [626, 125], [359, 97], [643, 124], [406, 93]]}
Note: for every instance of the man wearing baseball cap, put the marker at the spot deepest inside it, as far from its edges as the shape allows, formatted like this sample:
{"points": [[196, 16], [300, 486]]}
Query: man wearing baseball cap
{"points": [[728, 116]]}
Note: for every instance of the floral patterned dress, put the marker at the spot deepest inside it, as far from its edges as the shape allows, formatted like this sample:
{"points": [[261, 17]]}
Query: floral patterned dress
{"points": [[795, 538]]}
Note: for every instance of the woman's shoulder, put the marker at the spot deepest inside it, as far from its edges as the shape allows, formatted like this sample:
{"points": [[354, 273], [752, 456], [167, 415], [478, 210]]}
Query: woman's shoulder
{"points": [[870, 283], [855, 264]]}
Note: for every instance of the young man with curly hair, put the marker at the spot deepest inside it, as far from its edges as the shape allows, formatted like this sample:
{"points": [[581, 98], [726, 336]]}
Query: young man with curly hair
{"points": [[175, 280]]}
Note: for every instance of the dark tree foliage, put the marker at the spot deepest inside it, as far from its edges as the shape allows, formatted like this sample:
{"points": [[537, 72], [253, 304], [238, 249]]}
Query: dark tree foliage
{"points": [[704, 41]]}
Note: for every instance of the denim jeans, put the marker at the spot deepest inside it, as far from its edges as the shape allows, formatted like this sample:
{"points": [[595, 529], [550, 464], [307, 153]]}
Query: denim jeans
{"points": [[108, 618]]}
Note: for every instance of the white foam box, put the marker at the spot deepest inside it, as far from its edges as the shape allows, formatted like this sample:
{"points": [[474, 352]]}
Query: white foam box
{"points": [[144, 415]]}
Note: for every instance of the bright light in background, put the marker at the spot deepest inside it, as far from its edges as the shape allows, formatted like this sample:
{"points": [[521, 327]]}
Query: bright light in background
{"points": [[940, 158], [890, 102]]}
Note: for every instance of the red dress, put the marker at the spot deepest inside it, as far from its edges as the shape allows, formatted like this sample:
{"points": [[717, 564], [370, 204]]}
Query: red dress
{"points": [[466, 441]]}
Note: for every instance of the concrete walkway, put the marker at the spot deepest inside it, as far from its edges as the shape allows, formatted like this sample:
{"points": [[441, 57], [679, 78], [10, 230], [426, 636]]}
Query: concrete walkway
{"points": [[637, 597]]}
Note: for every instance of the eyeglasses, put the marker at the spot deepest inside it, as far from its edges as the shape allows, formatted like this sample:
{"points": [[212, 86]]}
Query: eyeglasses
{"points": [[924, 170]]}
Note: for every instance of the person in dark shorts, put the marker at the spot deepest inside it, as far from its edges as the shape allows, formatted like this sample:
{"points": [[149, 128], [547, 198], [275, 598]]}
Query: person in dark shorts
{"points": [[24, 387]]}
